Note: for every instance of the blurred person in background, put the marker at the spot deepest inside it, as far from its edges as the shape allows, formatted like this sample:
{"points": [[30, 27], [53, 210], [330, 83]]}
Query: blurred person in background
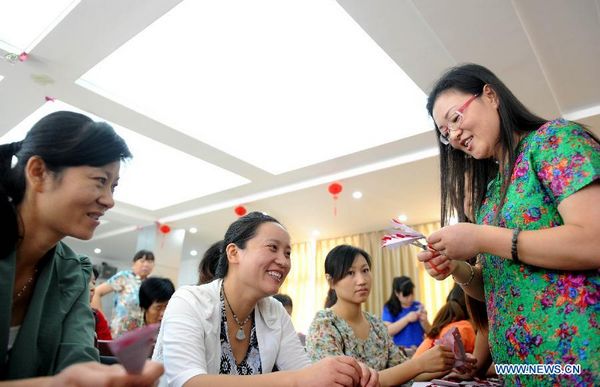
{"points": [[102, 329], [405, 318], [155, 293], [208, 263], [127, 314], [288, 304]]}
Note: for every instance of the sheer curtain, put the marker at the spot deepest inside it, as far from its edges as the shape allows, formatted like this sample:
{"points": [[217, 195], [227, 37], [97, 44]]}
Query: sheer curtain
{"points": [[307, 286]]}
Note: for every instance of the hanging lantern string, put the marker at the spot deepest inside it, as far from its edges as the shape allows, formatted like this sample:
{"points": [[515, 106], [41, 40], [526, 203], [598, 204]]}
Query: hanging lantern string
{"points": [[335, 189]]}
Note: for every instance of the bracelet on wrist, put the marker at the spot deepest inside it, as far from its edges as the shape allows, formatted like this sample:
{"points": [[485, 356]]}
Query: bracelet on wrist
{"points": [[472, 275], [513, 247]]}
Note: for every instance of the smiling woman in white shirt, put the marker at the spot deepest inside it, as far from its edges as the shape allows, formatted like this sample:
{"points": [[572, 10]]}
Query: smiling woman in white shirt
{"points": [[230, 331]]}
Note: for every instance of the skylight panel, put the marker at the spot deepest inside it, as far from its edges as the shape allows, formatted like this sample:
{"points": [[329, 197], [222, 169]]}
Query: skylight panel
{"points": [[279, 84], [158, 175], [24, 23]]}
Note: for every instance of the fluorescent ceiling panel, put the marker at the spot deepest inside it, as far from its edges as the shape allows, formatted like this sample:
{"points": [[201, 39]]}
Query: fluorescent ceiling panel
{"points": [[279, 84], [158, 176], [24, 23]]}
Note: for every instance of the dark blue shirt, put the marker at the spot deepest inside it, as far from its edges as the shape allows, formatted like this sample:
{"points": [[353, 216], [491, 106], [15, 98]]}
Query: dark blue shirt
{"points": [[413, 333]]}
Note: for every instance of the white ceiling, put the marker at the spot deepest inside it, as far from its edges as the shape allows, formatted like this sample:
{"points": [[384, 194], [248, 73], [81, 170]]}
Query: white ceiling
{"points": [[546, 51]]}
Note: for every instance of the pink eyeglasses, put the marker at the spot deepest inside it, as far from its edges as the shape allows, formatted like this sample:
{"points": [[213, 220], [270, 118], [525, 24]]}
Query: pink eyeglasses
{"points": [[454, 121]]}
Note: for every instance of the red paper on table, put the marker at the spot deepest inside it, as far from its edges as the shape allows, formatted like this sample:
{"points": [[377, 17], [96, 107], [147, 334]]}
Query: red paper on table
{"points": [[133, 348], [453, 340], [403, 235]]}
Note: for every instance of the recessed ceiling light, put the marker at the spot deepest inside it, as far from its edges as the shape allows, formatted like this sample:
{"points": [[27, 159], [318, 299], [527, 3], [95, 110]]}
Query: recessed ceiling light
{"points": [[193, 253], [193, 230], [402, 218], [316, 233], [97, 250], [211, 82], [357, 194]]}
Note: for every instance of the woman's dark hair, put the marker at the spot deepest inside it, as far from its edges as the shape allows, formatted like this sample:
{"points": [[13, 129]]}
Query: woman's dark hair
{"points": [[515, 119], [454, 310], [337, 263], [238, 233], [155, 289], [145, 254], [331, 298], [403, 285], [209, 262], [478, 313], [61, 139]]}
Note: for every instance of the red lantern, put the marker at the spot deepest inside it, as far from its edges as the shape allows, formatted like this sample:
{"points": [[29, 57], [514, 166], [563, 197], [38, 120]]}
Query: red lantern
{"points": [[165, 229], [335, 189], [240, 210]]}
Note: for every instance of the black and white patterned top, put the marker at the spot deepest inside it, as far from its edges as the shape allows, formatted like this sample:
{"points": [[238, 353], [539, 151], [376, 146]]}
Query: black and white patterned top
{"points": [[251, 364]]}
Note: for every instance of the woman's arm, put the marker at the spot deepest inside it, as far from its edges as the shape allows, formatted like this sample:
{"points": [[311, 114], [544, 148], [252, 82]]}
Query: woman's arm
{"points": [[473, 286], [77, 341], [460, 270], [572, 246], [331, 371], [438, 360], [398, 326], [101, 290], [78, 327], [482, 353], [423, 320], [93, 374]]}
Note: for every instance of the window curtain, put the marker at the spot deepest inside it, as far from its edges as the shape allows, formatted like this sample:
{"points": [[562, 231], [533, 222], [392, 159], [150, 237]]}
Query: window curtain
{"points": [[307, 287]]}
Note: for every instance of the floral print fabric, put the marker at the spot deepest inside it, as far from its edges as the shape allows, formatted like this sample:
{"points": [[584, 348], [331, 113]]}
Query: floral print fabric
{"points": [[127, 314], [536, 315], [330, 335]]}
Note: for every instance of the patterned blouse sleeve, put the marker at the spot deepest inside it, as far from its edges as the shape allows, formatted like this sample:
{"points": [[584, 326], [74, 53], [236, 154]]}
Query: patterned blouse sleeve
{"points": [[395, 355], [566, 159], [323, 337], [116, 281]]}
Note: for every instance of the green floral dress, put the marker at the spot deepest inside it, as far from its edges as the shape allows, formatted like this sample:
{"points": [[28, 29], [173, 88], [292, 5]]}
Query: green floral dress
{"points": [[330, 335], [540, 316]]}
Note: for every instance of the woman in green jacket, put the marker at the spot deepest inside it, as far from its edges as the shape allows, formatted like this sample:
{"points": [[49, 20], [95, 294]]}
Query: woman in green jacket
{"points": [[57, 182]]}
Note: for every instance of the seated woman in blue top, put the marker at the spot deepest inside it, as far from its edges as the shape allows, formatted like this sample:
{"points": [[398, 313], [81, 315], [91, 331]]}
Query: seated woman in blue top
{"points": [[57, 182], [405, 318]]}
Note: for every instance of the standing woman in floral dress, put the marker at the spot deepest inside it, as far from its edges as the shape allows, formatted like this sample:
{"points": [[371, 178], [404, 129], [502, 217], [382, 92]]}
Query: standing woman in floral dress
{"points": [[535, 194]]}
